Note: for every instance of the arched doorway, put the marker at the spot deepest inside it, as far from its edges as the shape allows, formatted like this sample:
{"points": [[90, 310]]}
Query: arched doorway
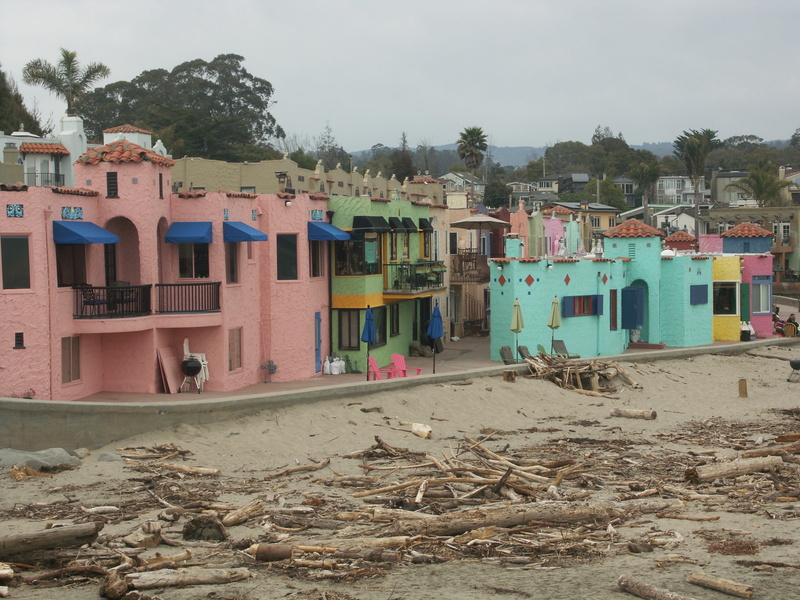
{"points": [[122, 262]]}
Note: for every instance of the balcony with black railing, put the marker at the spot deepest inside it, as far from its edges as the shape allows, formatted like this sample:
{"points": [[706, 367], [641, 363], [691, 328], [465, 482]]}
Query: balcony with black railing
{"points": [[43, 179], [469, 266], [413, 278], [121, 300]]}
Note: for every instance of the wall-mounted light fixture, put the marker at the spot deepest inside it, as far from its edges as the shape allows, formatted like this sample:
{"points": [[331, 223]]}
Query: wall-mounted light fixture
{"points": [[499, 267], [288, 202], [329, 214], [549, 265]]}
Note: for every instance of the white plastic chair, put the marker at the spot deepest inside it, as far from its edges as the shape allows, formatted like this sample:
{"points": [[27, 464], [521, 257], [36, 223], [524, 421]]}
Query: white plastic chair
{"points": [[187, 355]]}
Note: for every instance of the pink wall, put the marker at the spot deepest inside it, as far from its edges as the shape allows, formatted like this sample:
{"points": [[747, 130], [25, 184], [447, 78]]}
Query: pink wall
{"points": [[554, 231], [710, 242], [753, 266]]}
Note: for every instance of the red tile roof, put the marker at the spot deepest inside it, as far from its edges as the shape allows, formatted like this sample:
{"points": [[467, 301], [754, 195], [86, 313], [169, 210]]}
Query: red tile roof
{"points": [[285, 196], [319, 196], [42, 148], [681, 236], [126, 129], [379, 199], [124, 151], [73, 191], [13, 187], [192, 194], [633, 228], [559, 210], [425, 180], [747, 230], [240, 195]]}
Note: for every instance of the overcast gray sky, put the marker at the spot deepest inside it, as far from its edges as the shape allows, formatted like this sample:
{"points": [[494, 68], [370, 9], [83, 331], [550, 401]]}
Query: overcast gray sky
{"points": [[529, 72]]}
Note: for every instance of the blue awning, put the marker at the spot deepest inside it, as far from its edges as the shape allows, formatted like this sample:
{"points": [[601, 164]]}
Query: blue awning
{"points": [[318, 231], [81, 232], [236, 231], [189, 232]]}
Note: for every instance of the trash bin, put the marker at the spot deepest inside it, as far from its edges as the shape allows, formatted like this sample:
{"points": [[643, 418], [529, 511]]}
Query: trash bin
{"points": [[745, 336]]}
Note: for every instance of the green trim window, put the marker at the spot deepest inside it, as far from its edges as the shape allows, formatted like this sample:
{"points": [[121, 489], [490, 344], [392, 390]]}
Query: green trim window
{"points": [[379, 317], [394, 319], [349, 330], [287, 256], [726, 298], [358, 257]]}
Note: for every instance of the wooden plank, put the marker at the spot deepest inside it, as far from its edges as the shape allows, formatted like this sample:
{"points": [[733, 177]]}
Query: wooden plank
{"points": [[170, 365]]}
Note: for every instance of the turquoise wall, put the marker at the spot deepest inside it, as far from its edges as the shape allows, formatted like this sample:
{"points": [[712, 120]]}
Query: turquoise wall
{"points": [[682, 323]]}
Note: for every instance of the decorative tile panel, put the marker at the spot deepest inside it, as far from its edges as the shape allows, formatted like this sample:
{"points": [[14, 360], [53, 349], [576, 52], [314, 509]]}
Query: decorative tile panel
{"points": [[254, 215], [15, 210], [316, 215], [72, 213], [225, 214]]}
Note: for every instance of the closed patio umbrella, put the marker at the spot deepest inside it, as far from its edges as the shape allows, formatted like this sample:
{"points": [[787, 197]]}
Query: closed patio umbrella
{"points": [[517, 323], [368, 334], [554, 320], [435, 331]]}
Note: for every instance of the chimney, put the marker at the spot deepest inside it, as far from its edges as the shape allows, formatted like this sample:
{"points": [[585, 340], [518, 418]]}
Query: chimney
{"points": [[10, 154]]}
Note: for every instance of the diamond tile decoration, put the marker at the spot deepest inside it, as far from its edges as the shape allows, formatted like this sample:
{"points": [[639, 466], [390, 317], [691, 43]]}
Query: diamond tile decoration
{"points": [[566, 279], [529, 279], [605, 279], [502, 280]]}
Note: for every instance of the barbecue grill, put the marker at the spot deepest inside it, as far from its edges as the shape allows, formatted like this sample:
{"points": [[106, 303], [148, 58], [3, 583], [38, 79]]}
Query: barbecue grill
{"points": [[795, 364], [191, 369]]}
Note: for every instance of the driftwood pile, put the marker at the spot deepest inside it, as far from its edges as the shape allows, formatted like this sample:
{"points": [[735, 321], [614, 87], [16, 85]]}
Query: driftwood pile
{"points": [[588, 377], [562, 500]]}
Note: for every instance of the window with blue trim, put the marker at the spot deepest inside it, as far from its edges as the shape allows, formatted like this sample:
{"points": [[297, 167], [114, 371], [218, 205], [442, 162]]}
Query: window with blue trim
{"points": [[581, 306], [761, 290]]}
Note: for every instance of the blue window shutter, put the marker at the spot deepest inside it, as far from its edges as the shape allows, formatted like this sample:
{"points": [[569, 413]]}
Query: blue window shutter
{"points": [[597, 304], [568, 306], [698, 294]]}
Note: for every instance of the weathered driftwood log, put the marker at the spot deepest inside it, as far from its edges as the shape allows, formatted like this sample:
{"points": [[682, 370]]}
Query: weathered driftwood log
{"points": [[645, 590], [6, 572], [192, 470], [65, 571], [3, 591], [454, 523], [788, 437], [726, 586], [56, 537], [773, 451], [146, 536], [632, 413], [183, 577], [731, 469], [255, 509]]}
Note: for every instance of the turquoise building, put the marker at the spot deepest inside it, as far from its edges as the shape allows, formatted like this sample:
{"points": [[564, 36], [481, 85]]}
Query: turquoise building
{"points": [[632, 294]]}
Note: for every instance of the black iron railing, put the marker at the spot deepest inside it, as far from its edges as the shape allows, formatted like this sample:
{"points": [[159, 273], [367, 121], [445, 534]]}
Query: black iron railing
{"points": [[188, 297], [112, 302], [469, 266], [410, 278], [42, 179]]}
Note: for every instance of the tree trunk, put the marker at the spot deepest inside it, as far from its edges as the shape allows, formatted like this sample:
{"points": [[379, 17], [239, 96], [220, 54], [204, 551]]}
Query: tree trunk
{"points": [[731, 469], [183, 577], [726, 586], [57, 537], [645, 590], [410, 523]]}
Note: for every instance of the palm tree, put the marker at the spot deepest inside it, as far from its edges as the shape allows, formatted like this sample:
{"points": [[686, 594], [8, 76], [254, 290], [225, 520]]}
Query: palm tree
{"points": [[646, 174], [692, 148], [763, 185], [471, 146], [65, 79]]}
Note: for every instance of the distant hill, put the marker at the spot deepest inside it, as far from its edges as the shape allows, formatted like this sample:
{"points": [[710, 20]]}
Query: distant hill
{"points": [[519, 156]]}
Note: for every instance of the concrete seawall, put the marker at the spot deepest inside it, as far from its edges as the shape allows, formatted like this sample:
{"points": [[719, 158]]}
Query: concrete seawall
{"points": [[39, 424]]}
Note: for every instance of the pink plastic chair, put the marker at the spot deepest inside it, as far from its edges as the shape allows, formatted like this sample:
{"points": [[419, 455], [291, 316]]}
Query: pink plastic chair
{"points": [[374, 371], [399, 364]]}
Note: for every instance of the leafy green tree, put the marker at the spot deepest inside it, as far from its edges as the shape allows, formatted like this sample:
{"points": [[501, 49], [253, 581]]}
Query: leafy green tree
{"points": [[13, 110], [331, 153], [402, 160], [213, 109], [496, 193], [66, 78], [794, 141], [610, 194], [471, 145], [568, 156], [763, 185], [745, 143], [303, 160]]}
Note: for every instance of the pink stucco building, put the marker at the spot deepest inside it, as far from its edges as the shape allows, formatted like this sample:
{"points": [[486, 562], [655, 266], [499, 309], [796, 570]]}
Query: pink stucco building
{"points": [[102, 282]]}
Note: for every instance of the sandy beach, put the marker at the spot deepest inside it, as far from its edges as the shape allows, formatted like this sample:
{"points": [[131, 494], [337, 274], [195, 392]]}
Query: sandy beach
{"points": [[312, 459]]}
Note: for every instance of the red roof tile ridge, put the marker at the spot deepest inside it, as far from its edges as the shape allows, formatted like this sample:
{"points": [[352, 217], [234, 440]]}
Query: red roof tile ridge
{"points": [[120, 151], [72, 191], [42, 148], [126, 128], [747, 230], [633, 228]]}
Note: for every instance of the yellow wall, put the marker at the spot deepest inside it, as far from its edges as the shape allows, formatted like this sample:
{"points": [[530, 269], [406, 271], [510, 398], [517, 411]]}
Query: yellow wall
{"points": [[727, 328]]}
